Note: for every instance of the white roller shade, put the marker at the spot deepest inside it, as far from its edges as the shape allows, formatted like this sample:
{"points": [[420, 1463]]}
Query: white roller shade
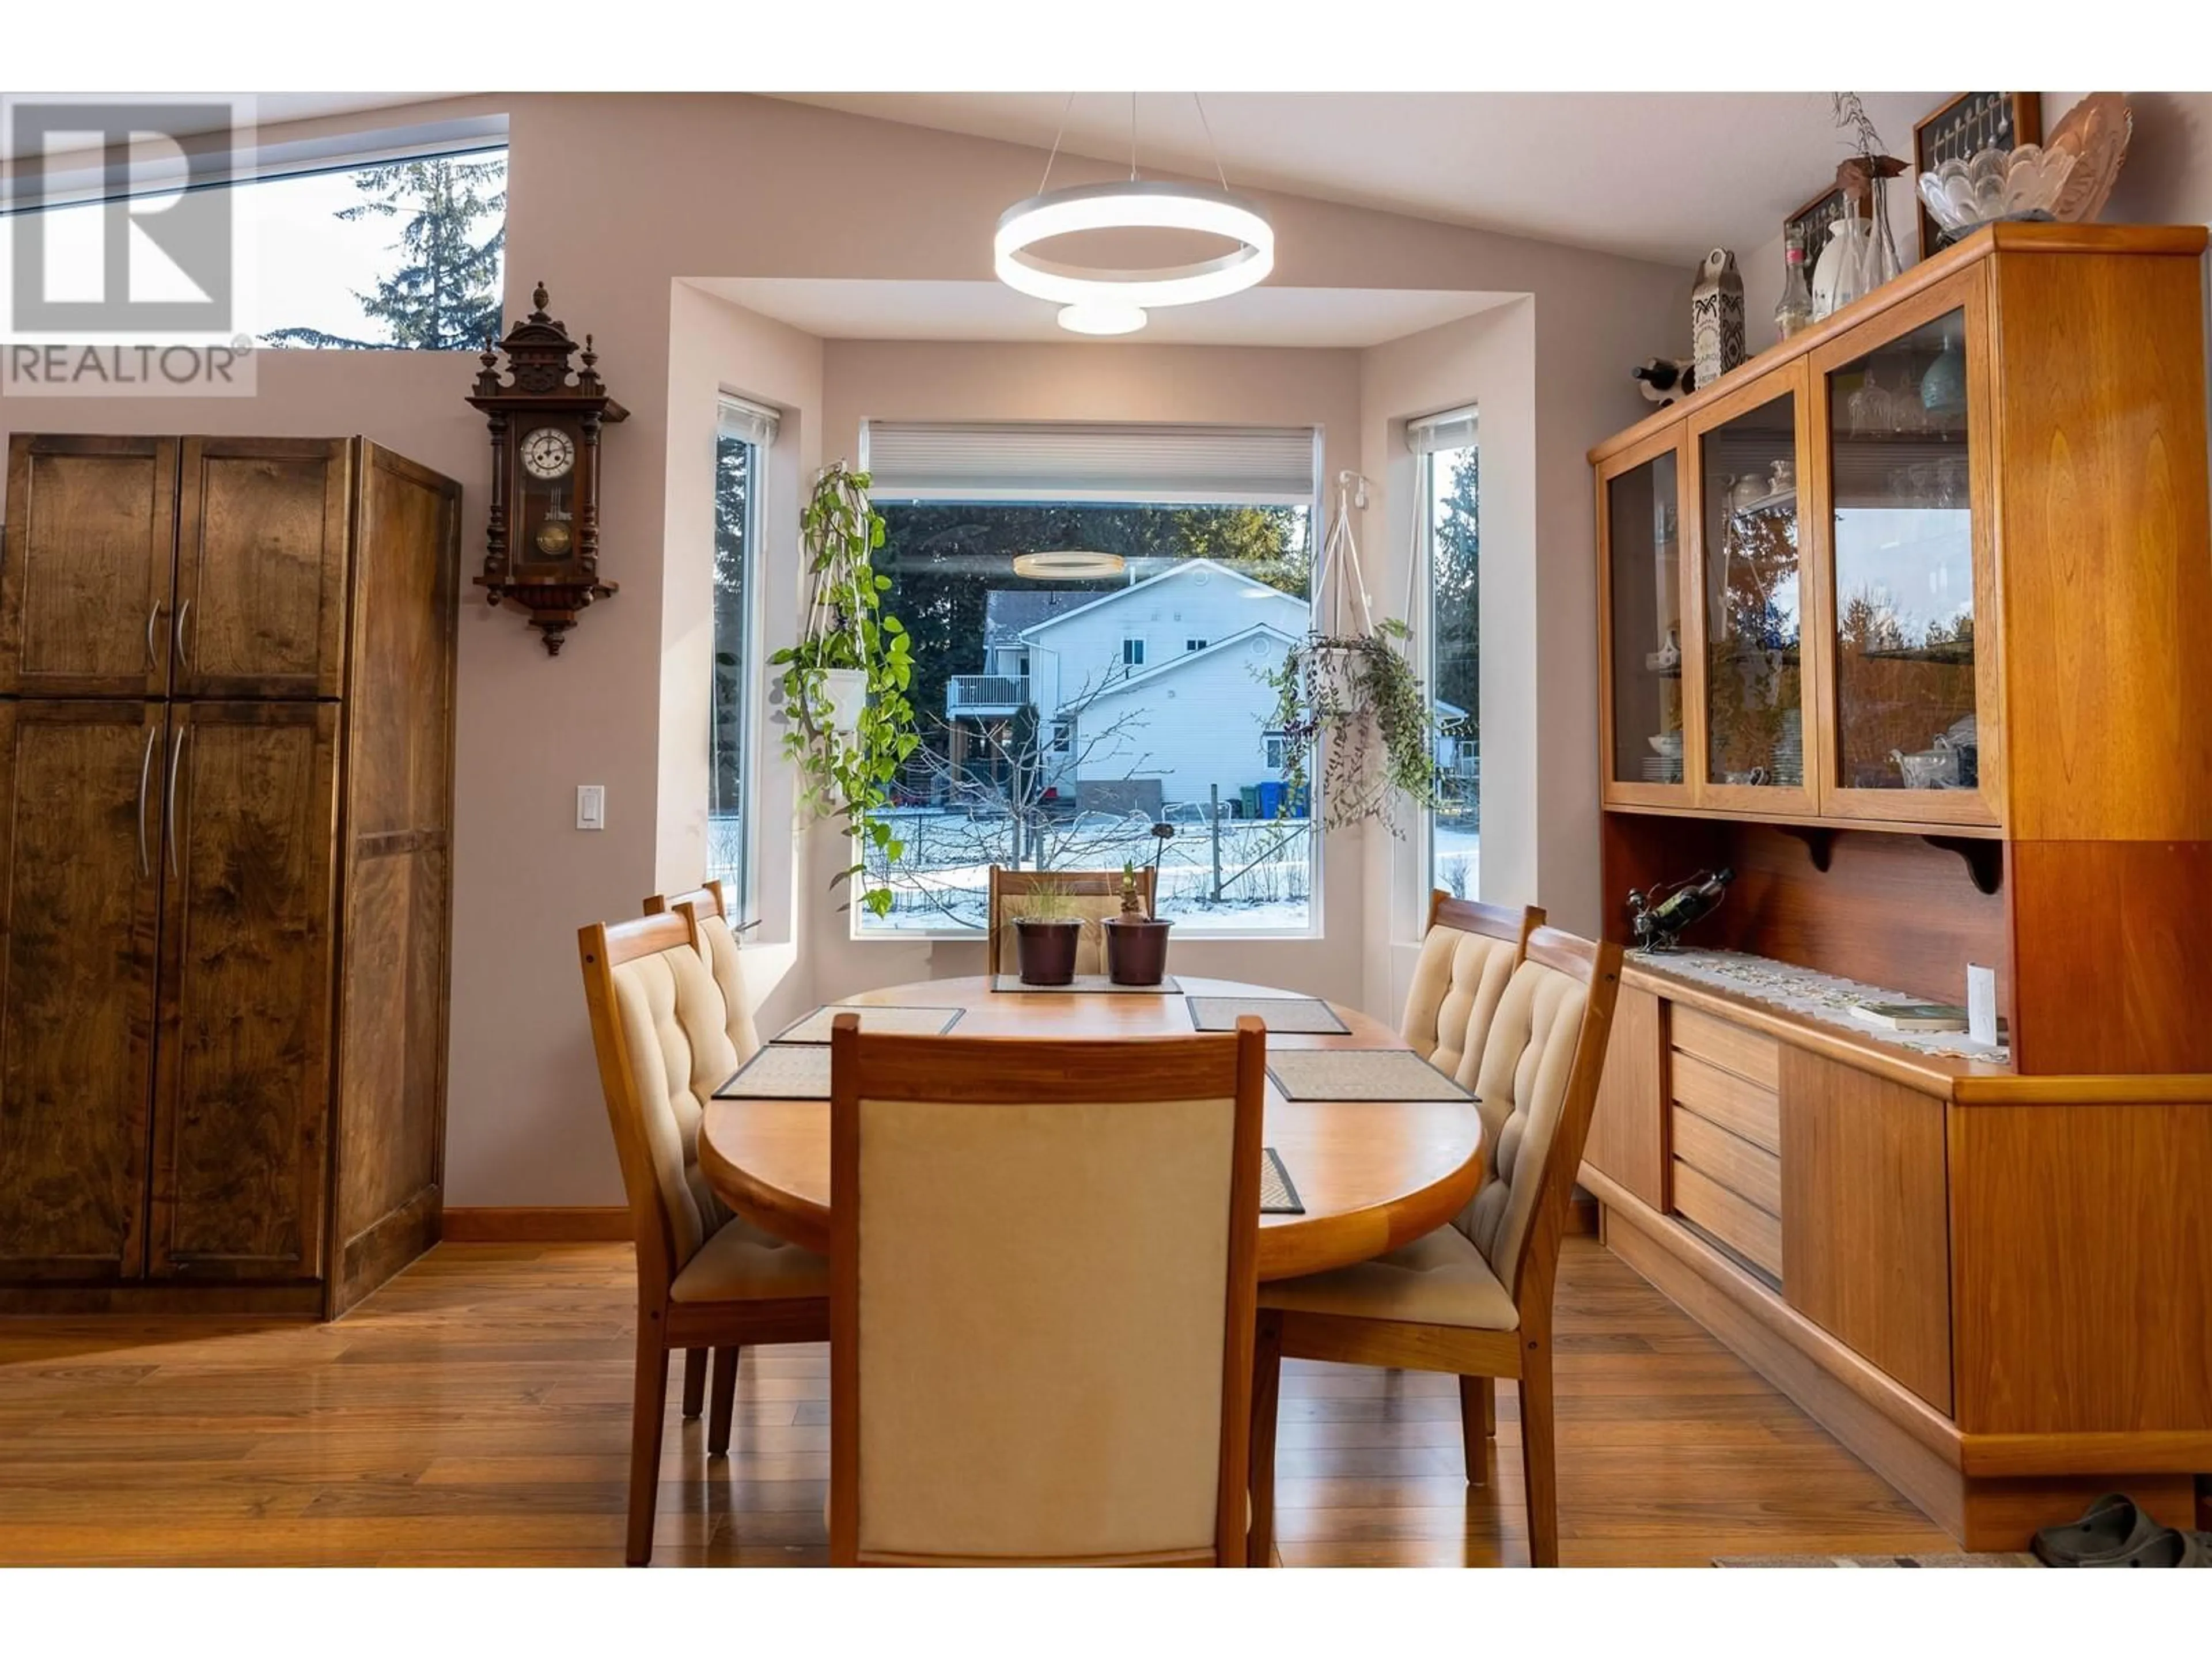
{"points": [[1453, 429], [748, 423], [1066, 462]]}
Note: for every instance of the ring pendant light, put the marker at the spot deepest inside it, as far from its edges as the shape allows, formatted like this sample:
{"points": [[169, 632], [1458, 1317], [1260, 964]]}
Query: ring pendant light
{"points": [[1101, 300]]}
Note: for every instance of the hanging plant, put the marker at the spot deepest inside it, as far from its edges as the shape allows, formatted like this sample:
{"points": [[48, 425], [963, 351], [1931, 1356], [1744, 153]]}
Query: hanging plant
{"points": [[848, 725], [1347, 700]]}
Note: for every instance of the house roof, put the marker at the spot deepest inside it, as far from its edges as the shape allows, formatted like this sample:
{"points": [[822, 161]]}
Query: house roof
{"points": [[1009, 612], [1176, 664], [1187, 568]]}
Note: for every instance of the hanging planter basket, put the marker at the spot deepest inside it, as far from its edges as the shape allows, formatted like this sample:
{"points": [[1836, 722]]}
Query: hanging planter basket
{"points": [[845, 694], [1348, 703]]}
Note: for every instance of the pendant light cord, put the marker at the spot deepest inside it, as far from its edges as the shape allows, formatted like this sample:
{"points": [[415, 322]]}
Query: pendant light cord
{"points": [[1132, 138], [1207, 127], [1057, 137]]}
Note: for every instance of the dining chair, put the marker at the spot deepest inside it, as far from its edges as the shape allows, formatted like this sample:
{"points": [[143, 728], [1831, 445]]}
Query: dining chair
{"points": [[1092, 894], [717, 943], [1467, 954], [1472, 1298], [1043, 1259], [705, 1279]]}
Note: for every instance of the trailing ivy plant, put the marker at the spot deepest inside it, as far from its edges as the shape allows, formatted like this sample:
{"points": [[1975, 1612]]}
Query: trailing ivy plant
{"points": [[848, 775], [1354, 701]]}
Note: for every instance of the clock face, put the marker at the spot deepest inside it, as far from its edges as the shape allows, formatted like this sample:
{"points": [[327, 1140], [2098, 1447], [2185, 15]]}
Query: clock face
{"points": [[547, 452]]}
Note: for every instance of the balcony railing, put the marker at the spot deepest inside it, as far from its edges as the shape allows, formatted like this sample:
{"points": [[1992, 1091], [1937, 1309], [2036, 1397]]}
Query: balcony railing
{"points": [[985, 694]]}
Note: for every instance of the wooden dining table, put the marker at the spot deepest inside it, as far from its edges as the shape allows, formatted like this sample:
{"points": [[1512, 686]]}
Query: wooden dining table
{"points": [[1373, 1175]]}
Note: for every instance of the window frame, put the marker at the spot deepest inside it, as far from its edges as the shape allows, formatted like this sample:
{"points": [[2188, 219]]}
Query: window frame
{"points": [[1314, 502], [742, 882], [1423, 621], [1132, 651]]}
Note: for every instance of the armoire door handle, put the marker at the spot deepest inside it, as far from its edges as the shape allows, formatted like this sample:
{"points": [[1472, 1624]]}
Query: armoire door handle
{"points": [[154, 621], [170, 825], [184, 650], [145, 776]]}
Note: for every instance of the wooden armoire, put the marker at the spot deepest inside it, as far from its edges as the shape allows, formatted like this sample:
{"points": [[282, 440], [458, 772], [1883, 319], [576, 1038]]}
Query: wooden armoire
{"points": [[226, 749]]}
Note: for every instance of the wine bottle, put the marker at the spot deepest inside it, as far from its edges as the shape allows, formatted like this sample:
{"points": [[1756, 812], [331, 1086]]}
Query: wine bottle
{"points": [[1691, 903]]}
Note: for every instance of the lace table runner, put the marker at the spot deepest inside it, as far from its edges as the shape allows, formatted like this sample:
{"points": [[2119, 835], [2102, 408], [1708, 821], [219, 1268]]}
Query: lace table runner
{"points": [[1816, 996]]}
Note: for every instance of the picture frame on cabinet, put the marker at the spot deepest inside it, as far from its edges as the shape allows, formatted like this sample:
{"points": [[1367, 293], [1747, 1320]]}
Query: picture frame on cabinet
{"points": [[1963, 127], [1812, 220]]}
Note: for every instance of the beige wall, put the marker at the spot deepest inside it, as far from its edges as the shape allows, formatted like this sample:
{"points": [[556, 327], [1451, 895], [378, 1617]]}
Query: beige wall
{"points": [[613, 200]]}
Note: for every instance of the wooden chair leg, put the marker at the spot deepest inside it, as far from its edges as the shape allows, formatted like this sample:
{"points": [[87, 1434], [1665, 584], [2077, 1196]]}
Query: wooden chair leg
{"points": [[649, 1406], [726, 1397], [1478, 1423], [695, 1382], [1536, 1454], [1266, 1391]]}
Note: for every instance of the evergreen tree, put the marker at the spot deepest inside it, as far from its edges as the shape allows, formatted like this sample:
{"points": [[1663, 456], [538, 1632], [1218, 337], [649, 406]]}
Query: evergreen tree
{"points": [[444, 296], [1456, 600]]}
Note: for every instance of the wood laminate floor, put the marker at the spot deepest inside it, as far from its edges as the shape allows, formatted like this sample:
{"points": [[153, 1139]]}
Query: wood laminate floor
{"points": [[476, 1410]]}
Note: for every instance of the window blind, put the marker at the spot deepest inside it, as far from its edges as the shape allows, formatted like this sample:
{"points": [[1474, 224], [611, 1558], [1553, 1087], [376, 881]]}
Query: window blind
{"points": [[1070, 462], [748, 423], [1453, 429]]}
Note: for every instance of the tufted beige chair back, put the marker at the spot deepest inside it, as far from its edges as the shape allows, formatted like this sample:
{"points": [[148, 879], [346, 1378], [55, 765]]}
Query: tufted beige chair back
{"points": [[718, 942], [1093, 895], [1468, 953], [1537, 1085], [1042, 1285], [659, 1029]]}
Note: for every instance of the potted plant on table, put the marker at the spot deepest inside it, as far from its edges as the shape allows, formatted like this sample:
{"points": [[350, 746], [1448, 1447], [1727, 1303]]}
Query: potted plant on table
{"points": [[849, 725], [1136, 944], [1046, 933]]}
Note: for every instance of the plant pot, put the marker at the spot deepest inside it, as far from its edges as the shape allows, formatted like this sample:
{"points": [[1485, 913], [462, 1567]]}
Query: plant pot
{"points": [[1136, 950], [1046, 950], [848, 691]]}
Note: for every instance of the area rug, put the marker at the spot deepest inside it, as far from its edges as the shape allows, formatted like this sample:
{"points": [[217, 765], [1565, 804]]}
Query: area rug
{"points": [[2020, 1558]]}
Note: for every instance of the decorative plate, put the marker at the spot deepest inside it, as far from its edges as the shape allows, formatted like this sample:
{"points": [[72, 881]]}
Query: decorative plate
{"points": [[2095, 132]]}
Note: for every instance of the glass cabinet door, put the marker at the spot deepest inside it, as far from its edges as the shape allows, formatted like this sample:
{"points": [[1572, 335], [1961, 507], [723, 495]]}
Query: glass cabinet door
{"points": [[1644, 612], [1907, 708], [1751, 632]]}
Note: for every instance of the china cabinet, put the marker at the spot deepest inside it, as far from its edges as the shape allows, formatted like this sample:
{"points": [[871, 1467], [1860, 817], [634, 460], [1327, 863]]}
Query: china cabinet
{"points": [[1938, 570]]}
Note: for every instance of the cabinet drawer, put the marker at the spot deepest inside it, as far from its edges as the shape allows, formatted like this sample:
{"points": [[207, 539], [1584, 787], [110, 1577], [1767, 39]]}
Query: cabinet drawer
{"points": [[1752, 1055], [1737, 1222], [1748, 1171], [1742, 1109]]}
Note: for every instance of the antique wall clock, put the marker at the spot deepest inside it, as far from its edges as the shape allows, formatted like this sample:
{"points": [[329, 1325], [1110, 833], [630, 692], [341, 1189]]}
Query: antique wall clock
{"points": [[542, 546]]}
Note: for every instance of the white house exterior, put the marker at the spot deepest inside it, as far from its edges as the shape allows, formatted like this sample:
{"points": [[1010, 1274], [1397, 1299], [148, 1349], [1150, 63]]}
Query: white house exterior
{"points": [[1160, 679]]}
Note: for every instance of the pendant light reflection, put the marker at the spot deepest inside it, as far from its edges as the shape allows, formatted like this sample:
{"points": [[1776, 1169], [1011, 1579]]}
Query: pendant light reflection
{"points": [[1067, 565], [1103, 317]]}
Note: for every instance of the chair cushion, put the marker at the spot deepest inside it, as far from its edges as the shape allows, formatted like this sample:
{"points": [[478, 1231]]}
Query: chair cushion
{"points": [[1440, 1280], [740, 1263], [1454, 994]]}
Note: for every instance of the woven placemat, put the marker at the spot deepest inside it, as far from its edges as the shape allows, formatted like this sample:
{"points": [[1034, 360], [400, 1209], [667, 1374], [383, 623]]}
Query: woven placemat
{"points": [[781, 1071], [1277, 1195], [1086, 984], [1278, 1013], [1359, 1075], [886, 1020]]}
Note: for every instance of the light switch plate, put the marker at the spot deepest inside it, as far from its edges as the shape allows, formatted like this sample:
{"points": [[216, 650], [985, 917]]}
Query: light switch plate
{"points": [[590, 807]]}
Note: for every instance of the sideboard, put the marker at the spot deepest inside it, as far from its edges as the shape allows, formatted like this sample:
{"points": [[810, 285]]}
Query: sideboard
{"points": [[1899, 621]]}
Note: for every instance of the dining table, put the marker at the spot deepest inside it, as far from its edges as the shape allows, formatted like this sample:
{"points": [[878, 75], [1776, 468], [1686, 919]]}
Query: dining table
{"points": [[1372, 1175]]}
